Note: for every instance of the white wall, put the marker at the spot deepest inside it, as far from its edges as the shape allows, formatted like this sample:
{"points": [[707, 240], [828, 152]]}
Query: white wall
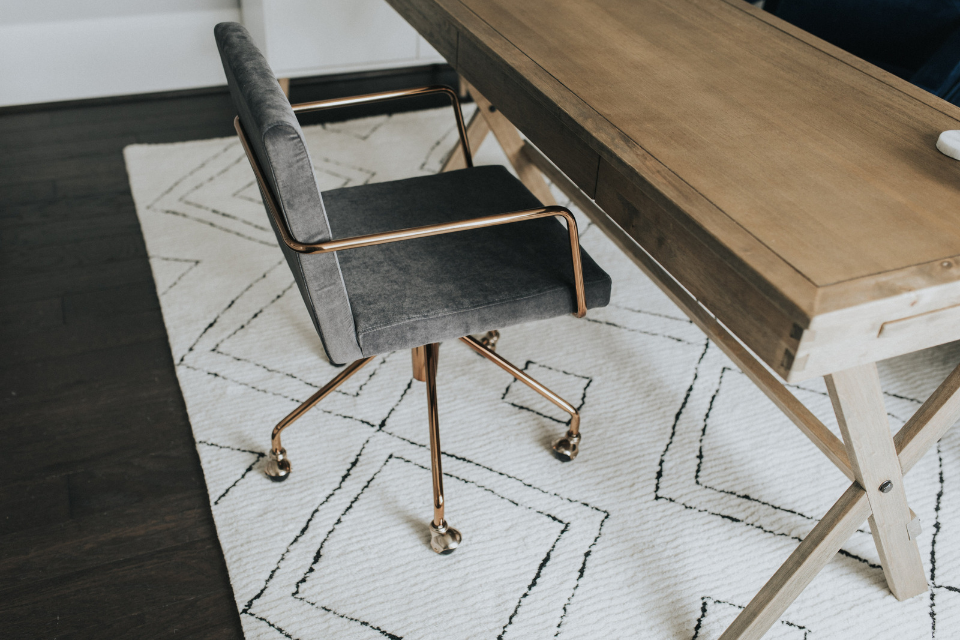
{"points": [[317, 37], [52, 50]]}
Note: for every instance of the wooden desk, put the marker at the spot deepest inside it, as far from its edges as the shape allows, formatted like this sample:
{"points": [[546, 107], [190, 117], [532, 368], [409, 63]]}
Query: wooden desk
{"points": [[779, 189]]}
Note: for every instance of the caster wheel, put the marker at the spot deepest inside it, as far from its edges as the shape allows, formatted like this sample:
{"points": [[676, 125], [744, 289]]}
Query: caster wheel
{"points": [[566, 448], [444, 539], [278, 465]]}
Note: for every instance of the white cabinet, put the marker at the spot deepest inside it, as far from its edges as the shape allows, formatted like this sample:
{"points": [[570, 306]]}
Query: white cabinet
{"points": [[316, 37]]}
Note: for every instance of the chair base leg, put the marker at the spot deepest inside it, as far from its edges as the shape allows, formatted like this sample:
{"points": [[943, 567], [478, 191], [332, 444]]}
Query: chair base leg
{"points": [[278, 465], [444, 539], [566, 448]]}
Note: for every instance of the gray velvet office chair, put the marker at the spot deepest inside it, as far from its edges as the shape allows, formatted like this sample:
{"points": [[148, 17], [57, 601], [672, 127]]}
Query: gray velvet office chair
{"points": [[409, 263]]}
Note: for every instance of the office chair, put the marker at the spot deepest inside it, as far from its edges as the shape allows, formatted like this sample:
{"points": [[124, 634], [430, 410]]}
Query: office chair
{"points": [[409, 263]]}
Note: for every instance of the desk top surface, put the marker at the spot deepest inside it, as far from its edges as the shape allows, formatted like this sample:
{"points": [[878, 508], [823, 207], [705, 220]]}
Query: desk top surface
{"points": [[827, 162]]}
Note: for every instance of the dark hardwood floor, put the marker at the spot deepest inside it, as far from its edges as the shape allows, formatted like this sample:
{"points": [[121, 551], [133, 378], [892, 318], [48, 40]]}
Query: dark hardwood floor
{"points": [[105, 524]]}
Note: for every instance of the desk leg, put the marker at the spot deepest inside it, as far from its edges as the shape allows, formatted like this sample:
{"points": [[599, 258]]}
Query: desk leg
{"points": [[803, 565], [921, 432], [858, 402]]}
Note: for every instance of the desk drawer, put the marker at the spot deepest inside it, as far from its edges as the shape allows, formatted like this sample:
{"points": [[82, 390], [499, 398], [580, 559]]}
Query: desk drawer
{"points": [[943, 322], [538, 122]]}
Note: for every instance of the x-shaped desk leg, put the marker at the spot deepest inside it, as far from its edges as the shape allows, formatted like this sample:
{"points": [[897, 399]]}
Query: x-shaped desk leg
{"points": [[856, 394]]}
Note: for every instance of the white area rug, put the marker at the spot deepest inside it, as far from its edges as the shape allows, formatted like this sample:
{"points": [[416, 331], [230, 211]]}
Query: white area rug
{"points": [[691, 488]]}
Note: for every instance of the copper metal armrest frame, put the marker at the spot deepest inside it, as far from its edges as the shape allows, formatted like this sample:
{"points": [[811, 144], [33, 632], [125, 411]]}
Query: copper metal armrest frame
{"points": [[305, 107], [420, 232]]}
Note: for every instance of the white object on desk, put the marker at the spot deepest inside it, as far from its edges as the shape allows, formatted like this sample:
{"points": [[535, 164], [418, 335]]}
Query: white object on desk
{"points": [[949, 144]]}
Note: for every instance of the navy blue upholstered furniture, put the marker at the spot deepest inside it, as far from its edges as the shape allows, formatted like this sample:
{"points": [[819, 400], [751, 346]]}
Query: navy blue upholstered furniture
{"points": [[409, 263], [918, 40]]}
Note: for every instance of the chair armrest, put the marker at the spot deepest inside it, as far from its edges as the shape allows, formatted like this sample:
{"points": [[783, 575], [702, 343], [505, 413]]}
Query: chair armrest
{"points": [[418, 232], [333, 103]]}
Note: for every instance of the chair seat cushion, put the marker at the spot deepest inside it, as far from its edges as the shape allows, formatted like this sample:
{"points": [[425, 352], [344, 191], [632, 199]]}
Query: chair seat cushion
{"points": [[414, 292]]}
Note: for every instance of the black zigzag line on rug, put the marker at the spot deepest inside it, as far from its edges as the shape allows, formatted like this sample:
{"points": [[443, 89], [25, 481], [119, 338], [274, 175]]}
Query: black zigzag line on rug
{"points": [[242, 384], [222, 214], [499, 473], [193, 265], [255, 315], [319, 553], [227, 308], [827, 395], [742, 496], [373, 371], [380, 427], [586, 555], [706, 600], [286, 397], [433, 147], [306, 526], [673, 432], [281, 631], [370, 173], [297, 400], [583, 568], [243, 475], [183, 198], [546, 558], [364, 136], [533, 583], [676, 419], [362, 623], [933, 549], [236, 194], [316, 510], [583, 394], [934, 585], [651, 313], [193, 171], [784, 509], [187, 216], [646, 333]]}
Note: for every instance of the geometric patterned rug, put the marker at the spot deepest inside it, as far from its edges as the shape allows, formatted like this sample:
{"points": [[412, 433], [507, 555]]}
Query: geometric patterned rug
{"points": [[690, 490]]}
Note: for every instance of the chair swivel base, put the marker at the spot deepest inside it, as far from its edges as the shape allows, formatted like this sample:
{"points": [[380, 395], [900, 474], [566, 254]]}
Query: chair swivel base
{"points": [[278, 465], [444, 539], [566, 448]]}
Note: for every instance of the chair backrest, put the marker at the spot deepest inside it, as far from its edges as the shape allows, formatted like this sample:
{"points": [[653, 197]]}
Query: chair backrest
{"points": [[278, 143]]}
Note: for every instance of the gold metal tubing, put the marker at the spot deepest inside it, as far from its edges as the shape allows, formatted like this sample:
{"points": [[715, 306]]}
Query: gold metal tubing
{"points": [[418, 356], [319, 105], [420, 232], [431, 355], [498, 360], [313, 400]]}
